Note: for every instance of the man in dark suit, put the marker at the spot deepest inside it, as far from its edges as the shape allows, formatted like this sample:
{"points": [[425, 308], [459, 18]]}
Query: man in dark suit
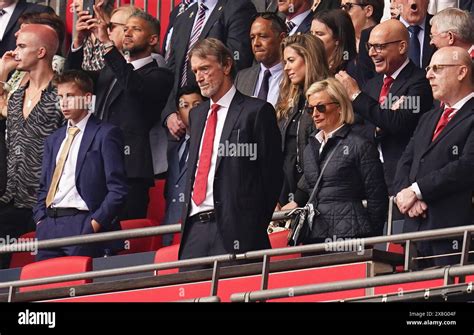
{"points": [[391, 103], [228, 21], [266, 6], [83, 184], [435, 174], [234, 165], [263, 79], [467, 5], [131, 95], [11, 11]]}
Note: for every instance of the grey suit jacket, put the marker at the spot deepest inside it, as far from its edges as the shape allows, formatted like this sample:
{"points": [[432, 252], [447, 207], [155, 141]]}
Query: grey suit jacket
{"points": [[246, 80], [266, 5]]}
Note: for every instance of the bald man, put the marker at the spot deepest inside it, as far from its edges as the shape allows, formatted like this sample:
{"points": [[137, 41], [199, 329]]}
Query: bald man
{"points": [[435, 176], [390, 104], [33, 114]]}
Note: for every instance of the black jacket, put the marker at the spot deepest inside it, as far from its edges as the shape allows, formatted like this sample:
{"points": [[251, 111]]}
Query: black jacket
{"points": [[353, 174]]}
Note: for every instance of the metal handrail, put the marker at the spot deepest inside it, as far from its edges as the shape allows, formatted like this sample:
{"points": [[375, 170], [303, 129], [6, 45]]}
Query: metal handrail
{"points": [[426, 235], [345, 285]]}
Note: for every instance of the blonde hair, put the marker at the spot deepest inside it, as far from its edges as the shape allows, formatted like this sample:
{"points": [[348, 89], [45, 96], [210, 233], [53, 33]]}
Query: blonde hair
{"points": [[338, 94], [311, 49]]}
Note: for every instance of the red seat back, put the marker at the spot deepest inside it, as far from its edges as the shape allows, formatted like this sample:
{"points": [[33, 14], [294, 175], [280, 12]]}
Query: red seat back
{"points": [[280, 240], [167, 254], [56, 267], [157, 204], [20, 259], [134, 245]]}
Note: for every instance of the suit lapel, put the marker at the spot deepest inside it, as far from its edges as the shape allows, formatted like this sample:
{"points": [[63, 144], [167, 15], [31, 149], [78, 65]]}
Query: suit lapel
{"points": [[253, 78], [232, 116], [461, 114], [428, 49], [215, 15], [19, 9], [402, 78], [92, 127]]}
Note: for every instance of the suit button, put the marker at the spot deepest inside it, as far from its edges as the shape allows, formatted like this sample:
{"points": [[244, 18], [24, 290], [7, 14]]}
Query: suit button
{"points": [[422, 160], [174, 200], [176, 186]]}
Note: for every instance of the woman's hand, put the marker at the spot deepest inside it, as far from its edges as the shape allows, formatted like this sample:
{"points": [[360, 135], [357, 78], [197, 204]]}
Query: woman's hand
{"points": [[289, 206]]}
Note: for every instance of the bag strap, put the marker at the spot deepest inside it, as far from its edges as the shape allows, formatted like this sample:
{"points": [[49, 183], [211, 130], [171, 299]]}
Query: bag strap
{"points": [[313, 193]]}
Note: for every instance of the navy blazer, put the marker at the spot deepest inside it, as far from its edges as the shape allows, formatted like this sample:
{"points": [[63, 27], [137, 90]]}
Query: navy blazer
{"points": [[100, 171]]}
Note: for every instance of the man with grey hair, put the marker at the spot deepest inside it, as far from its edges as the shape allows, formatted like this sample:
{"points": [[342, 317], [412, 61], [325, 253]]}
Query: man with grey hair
{"points": [[453, 27], [235, 145]]}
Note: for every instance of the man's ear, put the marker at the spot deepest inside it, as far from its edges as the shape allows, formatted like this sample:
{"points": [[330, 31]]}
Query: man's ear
{"points": [[369, 11], [41, 53], [154, 40]]}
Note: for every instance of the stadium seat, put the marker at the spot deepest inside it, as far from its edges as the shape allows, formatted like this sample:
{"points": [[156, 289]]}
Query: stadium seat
{"points": [[142, 244], [280, 240], [56, 267], [397, 249], [176, 238], [167, 254], [20, 259], [157, 204]]}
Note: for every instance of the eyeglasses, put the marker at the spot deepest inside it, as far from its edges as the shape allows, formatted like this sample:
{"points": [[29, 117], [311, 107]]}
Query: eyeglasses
{"points": [[438, 67], [379, 47], [320, 107], [434, 35], [348, 6], [113, 25]]}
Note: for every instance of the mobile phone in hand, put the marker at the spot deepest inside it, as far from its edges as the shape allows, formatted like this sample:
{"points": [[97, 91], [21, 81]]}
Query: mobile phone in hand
{"points": [[88, 5]]}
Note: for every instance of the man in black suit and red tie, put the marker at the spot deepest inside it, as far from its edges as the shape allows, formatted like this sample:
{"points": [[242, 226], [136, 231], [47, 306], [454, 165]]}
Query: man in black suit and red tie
{"points": [[435, 175], [234, 164]]}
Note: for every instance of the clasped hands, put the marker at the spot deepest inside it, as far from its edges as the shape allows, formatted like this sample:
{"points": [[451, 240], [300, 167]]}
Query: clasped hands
{"points": [[408, 203]]}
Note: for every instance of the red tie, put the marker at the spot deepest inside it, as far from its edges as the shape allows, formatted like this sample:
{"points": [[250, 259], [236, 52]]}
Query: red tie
{"points": [[443, 121], [200, 183], [387, 83]]}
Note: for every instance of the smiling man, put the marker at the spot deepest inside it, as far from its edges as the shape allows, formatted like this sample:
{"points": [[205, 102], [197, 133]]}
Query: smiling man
{"points": [[229, 198], [83, 183], [263, 80]]}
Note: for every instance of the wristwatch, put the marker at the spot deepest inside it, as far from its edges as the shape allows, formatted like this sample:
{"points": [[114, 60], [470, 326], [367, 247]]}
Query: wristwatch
{"points": [[355, 95]]}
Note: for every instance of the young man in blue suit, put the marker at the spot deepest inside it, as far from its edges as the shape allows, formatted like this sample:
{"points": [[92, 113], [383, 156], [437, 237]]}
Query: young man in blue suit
{"points": [[83, 183]]}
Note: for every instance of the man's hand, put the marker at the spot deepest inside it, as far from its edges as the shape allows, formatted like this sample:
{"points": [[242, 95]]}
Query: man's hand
{"points": [[289, 206], [418, 208], [405, 199], [82, 28], [7, 64], [95, 225], [175, 126], [348, 82], [98, 25]]}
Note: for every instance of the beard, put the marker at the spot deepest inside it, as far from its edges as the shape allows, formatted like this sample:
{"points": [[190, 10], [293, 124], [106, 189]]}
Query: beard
{"points": [[136, 49]]}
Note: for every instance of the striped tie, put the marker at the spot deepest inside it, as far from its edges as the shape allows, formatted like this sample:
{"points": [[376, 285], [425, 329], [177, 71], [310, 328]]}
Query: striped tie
{"points": [[194, 38], [290, 25]]}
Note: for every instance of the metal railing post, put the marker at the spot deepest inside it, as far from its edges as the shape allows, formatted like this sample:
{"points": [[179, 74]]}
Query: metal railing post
{"points": [[466, 246], [215, 278]]}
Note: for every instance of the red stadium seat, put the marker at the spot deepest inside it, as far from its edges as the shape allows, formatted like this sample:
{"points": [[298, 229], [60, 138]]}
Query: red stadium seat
{"points": [[176, 238], [56, 267], [134, 245], [397, 249], [157, 204], [20, 259], [167, 254], [280, 240]]}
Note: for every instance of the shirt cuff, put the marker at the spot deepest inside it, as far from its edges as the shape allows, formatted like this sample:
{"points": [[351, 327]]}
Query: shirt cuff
{"points": [[76, 49], [415, 188]]}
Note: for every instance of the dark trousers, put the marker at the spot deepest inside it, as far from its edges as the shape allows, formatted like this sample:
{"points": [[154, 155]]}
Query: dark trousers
{"points": [[14, 222], [137, 199], [202, 239], [67, 226], [438, 247]]}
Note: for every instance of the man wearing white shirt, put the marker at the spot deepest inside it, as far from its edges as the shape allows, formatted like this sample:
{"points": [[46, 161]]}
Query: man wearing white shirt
{"points": [[234, 164], [83, 183], [263, 79], [434, 175]]}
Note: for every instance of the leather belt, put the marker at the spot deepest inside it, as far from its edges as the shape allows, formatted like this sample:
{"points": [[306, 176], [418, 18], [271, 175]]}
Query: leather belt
{"points": [[203, 217], [60, 212]]}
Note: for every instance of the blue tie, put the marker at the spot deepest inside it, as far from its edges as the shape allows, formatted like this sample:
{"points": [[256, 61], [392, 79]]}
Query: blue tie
{"points": [[414, 49]]}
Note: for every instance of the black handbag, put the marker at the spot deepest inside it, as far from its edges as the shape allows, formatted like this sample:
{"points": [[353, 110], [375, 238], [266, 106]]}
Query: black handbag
{"points": [[303, 217]]}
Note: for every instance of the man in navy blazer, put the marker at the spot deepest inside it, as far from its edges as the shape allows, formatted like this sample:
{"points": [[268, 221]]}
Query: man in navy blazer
{"points": [[434, 175], [83, 183]]}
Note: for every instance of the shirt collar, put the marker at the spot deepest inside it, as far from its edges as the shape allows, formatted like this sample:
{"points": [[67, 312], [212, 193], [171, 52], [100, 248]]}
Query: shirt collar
{"points": [[226, 99], [274, 69], [319, 135], [396, 73], [458, 105], [82, 124], [210, 4], [470, 49], [298, 19], [421, 25], [10, 9], [139, 63]]}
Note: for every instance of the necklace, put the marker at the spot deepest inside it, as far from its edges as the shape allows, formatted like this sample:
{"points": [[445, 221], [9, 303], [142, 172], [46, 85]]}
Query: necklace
{"points": [[30, 99]]}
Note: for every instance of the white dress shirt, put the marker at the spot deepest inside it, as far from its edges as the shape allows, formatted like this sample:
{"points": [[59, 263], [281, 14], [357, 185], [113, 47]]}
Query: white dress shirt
{"points": [[224, 103], [273, 82], [298, 20], [421, 34], [139, 63], [67, 195], [457, 106], [6, 18]]}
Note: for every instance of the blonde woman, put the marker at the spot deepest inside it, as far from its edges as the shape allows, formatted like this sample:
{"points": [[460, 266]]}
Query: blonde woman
{"points": [[353, 172], [304, 63]]}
